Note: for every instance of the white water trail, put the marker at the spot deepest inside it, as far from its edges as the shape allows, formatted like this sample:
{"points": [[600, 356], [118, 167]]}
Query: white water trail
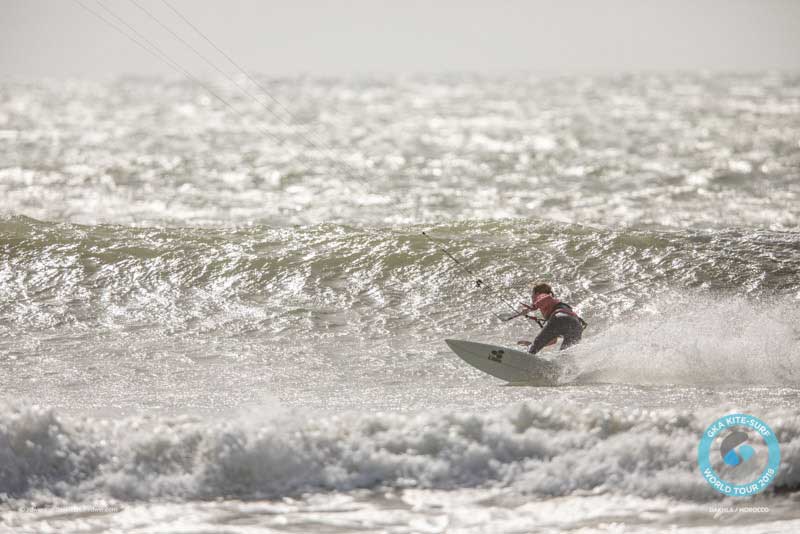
{"points": [[686, 339]]}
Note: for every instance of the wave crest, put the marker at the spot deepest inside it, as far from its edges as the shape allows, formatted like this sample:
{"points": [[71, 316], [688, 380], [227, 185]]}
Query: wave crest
{"points": [[297, 280], [538, 449]]}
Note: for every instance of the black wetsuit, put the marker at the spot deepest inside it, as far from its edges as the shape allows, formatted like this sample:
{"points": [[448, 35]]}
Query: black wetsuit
{"points": [[560, 323]]}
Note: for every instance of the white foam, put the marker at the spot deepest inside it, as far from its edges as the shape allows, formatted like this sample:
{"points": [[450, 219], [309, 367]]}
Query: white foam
{"points": [[544, 450]]}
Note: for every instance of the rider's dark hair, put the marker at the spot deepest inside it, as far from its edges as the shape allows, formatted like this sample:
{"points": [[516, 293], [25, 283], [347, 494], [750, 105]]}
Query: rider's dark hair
{"points": [[541, 287]]}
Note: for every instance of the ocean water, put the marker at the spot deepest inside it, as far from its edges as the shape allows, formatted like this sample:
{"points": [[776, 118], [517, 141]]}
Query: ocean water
{"points": [[217, 320]]}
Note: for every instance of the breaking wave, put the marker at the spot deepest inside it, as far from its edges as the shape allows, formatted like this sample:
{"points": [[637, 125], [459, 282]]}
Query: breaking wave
{"points": [[530, 447], [184, 279]]}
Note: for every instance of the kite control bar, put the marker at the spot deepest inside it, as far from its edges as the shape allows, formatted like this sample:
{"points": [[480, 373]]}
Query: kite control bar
{"points": [[480, 283]]}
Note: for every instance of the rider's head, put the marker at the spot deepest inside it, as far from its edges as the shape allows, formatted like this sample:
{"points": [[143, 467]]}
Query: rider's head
{"points": [[541, 287]]}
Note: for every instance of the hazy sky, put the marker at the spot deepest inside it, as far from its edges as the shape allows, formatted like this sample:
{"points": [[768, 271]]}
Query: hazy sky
{"points": [[60, 38]]}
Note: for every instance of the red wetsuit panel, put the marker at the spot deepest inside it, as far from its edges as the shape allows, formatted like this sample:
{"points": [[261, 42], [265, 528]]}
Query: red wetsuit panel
{"points": [[546, 303]]}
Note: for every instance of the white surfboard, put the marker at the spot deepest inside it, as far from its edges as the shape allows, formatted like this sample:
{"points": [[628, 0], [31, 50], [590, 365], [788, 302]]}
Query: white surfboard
{"points": [[506, 364]]}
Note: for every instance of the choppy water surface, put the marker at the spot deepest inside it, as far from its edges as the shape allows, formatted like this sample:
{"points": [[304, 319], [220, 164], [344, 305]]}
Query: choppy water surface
{"points": [[679, 150], [205, 320]]}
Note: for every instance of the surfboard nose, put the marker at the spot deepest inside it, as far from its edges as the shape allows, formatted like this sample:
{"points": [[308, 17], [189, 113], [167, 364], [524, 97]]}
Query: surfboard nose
{"points": [[455, 344]]}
